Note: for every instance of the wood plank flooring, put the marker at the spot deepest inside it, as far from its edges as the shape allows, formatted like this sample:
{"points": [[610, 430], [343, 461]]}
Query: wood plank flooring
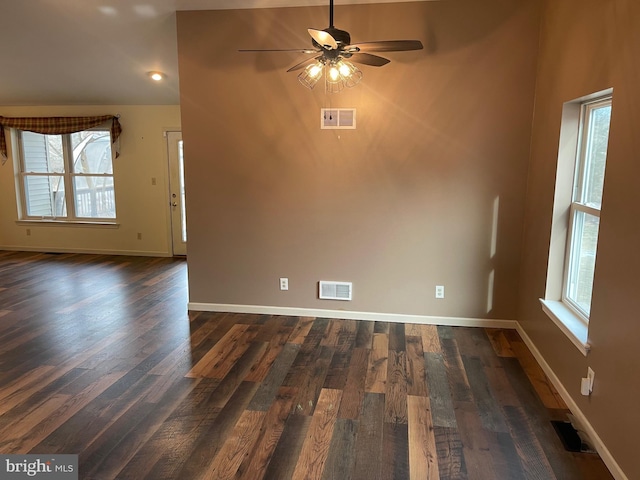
{"points": [[99, 357]]}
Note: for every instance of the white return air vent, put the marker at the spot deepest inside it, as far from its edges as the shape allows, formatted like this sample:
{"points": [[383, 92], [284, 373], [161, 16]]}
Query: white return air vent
{"points": [[338, 118], [335, 290]]}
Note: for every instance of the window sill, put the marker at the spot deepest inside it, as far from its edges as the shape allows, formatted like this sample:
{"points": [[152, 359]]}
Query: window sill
{"points": [[569, 323], [70, 223]]}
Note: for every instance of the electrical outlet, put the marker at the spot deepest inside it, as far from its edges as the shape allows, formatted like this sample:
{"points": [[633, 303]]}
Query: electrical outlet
{"points": [[439, 291], [139, 236], [28, 232], [586, 384], [284, 283]]}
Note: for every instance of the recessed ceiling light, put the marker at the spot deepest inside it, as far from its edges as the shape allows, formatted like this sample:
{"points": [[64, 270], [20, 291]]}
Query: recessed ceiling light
{"points": [[157, 76]]}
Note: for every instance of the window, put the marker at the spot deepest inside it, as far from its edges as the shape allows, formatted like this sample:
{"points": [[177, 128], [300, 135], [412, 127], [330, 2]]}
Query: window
{"points": [[585, 205], [67, 177], [582, 154]]}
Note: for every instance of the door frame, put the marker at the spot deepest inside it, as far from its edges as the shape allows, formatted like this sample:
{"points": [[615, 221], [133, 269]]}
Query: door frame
{"points": [[176, 207]]}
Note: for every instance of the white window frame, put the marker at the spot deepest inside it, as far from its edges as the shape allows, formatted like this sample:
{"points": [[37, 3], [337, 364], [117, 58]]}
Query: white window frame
{"points": [[578, 203], [68, 177], [555, 304]]}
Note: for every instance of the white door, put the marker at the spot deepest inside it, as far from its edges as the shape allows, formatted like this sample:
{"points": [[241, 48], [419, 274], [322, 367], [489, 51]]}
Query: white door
{"points": [[177, 193]]}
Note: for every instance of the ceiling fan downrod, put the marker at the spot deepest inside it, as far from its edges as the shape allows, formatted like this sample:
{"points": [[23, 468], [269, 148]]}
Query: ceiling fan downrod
{"points": [[330, 13]]}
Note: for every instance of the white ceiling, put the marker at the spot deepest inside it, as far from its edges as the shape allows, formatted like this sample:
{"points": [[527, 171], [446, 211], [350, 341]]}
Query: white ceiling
{"points": [[98, 52]]}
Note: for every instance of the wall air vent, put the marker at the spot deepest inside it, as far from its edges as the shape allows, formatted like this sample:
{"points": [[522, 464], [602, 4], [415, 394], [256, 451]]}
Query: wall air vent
{"points": [[332, 118], [335, 290]]}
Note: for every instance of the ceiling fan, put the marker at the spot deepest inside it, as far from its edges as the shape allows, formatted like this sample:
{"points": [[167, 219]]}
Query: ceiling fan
{"points": [[334, 56]]}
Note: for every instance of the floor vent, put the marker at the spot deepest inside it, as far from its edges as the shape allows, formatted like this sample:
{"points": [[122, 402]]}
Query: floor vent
{"points": [[572, 439], [335, 290]]}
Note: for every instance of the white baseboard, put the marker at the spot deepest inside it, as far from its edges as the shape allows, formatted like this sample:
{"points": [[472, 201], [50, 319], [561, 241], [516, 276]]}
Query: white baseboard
{"points": [[599, 445], [349, 315], [84, 251]]}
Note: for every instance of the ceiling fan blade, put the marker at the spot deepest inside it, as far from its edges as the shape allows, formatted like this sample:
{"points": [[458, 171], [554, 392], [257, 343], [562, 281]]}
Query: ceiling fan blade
{"points": [[304, 63], [368, 59], [323, 39], [297, 50], [387, 46]]}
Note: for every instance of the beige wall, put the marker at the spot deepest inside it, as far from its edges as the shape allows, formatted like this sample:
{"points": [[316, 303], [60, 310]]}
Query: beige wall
{"points": [[401, 204], [141, 207], [588, 46]]}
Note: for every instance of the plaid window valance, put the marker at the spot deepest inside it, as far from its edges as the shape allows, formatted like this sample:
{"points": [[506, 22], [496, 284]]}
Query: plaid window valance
{"points": [[57, 126]]}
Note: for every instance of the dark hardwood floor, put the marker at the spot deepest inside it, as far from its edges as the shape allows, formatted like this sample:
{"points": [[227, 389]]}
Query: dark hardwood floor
{"points": [[99, 357]]}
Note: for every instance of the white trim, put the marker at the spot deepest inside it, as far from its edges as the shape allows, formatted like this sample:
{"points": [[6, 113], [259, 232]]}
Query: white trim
{"points": [[599, 445], [589, 210], [133, 253], [569, 323], [348, 315]]}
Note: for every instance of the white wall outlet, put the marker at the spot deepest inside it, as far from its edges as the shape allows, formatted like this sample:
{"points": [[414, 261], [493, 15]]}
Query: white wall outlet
{"points": [[284, 283], [439, 291], [586, 384]]}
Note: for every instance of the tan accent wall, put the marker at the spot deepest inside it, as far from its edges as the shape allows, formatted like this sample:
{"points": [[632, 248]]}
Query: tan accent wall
{"points": [[401, 204], [140, 206], [588, 46]]}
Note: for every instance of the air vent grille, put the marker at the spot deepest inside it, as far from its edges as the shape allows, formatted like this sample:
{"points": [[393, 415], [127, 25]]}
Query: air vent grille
{"points": [[335, 290], [332, 118]]}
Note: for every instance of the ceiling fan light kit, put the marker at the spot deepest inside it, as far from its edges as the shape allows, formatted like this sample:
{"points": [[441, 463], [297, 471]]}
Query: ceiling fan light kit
{"points": [[338, 75], [311, 75], [335, 57]]}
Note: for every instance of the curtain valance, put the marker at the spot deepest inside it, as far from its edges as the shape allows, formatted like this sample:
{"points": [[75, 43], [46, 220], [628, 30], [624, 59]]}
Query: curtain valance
{"points": [[58, 126]]}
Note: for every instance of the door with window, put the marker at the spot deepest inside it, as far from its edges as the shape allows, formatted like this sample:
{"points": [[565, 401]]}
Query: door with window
{"points": [[177, 193]]}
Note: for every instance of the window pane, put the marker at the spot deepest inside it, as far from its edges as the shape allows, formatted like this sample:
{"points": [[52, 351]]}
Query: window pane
{"points": [[45, 196], [91, 152], [42, 153], [94, 197], [584, 240], [596, 154]]}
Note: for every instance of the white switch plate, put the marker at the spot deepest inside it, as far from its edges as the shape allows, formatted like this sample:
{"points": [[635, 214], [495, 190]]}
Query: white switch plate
{"points": [[439, 291], [284, 283]]}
